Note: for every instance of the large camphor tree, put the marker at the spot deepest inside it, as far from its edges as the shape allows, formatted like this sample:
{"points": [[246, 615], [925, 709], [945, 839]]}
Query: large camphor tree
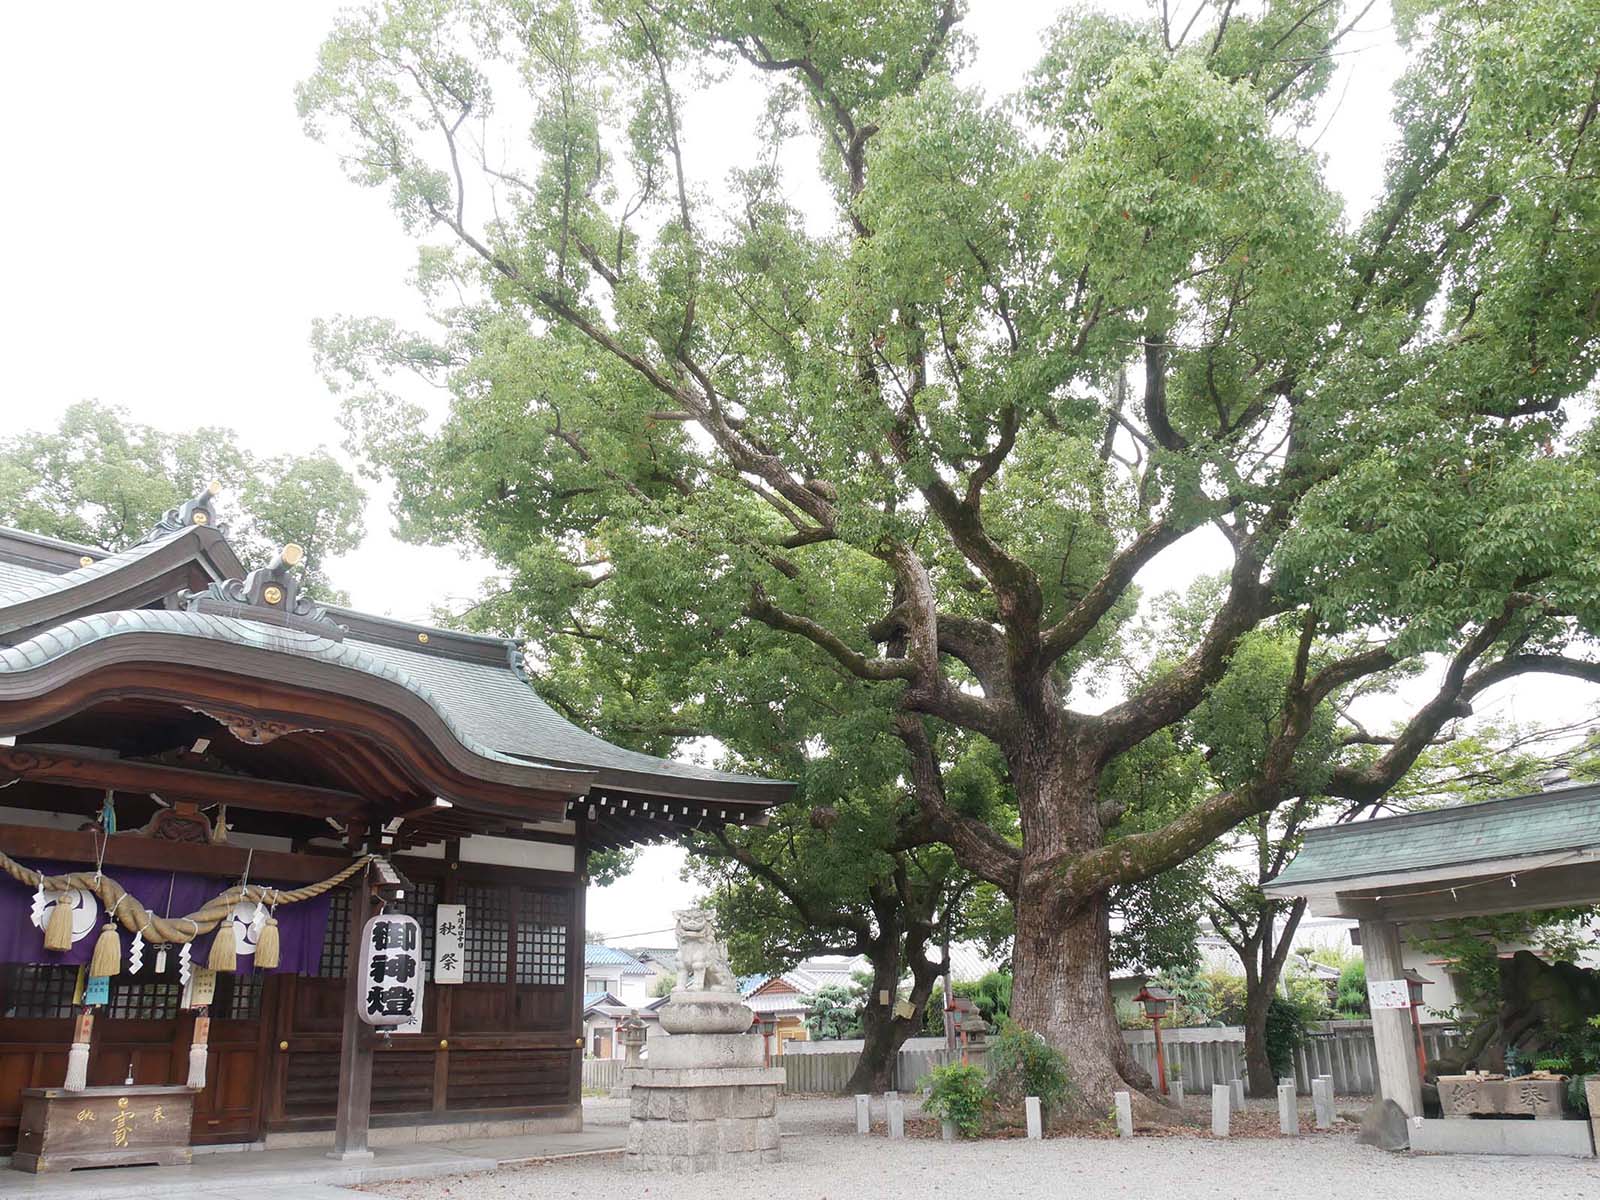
{"points": [[1033, 353]]}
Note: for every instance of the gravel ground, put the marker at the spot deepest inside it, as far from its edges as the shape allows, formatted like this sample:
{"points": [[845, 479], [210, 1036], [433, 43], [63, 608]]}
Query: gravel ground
{"points": [[824, 1160]]}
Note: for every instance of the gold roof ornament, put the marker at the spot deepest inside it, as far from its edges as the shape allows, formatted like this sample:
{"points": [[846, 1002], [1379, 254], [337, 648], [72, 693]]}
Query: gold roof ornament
{"points": [[272, 592]]}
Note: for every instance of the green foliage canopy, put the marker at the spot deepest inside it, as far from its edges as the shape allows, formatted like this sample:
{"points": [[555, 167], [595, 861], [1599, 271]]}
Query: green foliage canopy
{"points": [[936, 435], [101, 479]]}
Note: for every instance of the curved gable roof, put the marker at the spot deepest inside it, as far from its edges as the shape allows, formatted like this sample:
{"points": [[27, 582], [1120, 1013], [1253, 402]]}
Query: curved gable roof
{"points": [[472, 685], [231, 645]]}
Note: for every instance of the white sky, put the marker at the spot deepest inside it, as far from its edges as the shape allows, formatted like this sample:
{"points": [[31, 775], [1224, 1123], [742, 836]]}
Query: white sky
{"points": [[170, 234]]}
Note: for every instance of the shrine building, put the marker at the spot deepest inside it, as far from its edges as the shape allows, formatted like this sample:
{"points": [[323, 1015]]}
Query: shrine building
{"points": [[200, 765]]}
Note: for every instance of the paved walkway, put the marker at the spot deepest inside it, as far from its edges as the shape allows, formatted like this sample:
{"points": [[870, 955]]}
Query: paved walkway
{"points": [[308, 1174]]}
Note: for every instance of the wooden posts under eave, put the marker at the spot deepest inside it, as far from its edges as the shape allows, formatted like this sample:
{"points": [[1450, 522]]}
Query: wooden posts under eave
{"points": [[355, 1041]]}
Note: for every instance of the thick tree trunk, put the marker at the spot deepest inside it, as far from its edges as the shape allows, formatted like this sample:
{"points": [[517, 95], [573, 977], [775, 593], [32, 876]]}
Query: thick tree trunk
{"points": [[1271, 946], [1061, 960], [1062, 991], [883, 1036]]}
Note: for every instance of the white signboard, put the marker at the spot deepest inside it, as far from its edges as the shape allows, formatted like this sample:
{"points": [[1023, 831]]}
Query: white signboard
{"points": [[1388, 993], [391, 971], [449, 931]]}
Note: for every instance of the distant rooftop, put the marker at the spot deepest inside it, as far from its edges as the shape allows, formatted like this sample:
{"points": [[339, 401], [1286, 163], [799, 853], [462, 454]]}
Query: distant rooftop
{"points": [[596, 955]]}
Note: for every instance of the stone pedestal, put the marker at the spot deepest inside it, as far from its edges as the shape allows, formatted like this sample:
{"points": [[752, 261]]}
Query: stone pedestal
{"points": [[703, 1101], [1473, 1095]]}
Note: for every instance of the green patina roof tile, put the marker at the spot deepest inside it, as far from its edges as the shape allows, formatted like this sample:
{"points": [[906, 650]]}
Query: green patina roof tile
{"points": [[1520, 826]]}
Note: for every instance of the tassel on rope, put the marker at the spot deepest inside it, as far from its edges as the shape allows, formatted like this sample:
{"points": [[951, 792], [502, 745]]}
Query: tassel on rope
{"points": [[197, 1052], [78, 1057], [58, 929], [224, 954], [268, 949], [107, 957]]}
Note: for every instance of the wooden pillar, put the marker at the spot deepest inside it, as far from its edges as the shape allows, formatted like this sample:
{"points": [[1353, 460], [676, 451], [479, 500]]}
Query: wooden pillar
{"points": [[576, 940], [355, 1041], [1396, 1054]]}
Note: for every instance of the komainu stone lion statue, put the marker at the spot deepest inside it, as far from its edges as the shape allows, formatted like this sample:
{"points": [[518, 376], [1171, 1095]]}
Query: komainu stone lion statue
{"points": [[702, 959]]}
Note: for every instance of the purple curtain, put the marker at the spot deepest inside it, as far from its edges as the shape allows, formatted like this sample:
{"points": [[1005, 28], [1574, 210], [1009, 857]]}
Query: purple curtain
{"points": [[301, 926]]}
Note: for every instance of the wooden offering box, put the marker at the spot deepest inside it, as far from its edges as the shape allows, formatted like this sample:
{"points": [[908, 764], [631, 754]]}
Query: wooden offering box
{"points": [[103, 1127]]}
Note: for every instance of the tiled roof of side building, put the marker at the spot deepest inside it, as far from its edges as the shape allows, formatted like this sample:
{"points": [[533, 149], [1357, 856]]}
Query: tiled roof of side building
{"points": [[16, 576], [1554, 823], [779, 1002]]}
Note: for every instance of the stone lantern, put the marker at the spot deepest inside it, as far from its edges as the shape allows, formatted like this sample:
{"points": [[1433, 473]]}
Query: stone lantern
{"points": [[631, 1034]]}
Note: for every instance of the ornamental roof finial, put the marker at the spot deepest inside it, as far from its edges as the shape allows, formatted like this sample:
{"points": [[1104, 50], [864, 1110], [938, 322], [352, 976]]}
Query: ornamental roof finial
{"points": [[198, 511]]}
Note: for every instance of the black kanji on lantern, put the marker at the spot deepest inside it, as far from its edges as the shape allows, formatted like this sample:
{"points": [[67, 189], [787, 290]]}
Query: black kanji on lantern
{"points": [[399, 967], [390, 1001], [394, 935]]}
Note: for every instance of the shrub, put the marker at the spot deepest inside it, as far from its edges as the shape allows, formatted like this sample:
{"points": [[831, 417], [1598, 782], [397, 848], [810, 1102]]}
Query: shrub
{"points": [[1024, 1064], [1286, 1029], [1224, 996], [1352, 1001], [833, 1012], [959, 1094]]}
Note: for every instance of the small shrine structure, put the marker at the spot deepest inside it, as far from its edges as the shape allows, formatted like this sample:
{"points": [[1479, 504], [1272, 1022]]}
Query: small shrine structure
{"points": [[1498, 856]]}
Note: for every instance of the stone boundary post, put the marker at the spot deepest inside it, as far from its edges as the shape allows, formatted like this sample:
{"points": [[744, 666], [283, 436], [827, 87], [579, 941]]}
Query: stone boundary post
{"points": [[863, 1114], [1322, 1101], [1124, 1114], [1221, 1109], [1035, 1118], [1288, 1111]]}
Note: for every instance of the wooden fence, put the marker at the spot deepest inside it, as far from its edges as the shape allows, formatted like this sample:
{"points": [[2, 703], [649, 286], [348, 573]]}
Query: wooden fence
{"points": [[601, 1074]]}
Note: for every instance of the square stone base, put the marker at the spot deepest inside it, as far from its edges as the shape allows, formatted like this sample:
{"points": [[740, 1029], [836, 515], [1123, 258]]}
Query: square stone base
{"points": [[1463, 1135], [687, 1128]]}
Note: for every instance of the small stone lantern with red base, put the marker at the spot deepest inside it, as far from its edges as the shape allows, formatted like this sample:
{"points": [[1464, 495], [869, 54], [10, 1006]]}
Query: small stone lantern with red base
{"points": [[1157, 1001]]}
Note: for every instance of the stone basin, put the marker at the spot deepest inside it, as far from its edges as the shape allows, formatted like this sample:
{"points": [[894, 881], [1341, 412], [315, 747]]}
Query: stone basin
{"points": [[706, 1012]]}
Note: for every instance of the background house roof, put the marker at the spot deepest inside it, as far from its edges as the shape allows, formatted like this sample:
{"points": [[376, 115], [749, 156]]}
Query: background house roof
{"points": [[665, 957], [604, 1004], [596, 955], [779, 1002]]}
